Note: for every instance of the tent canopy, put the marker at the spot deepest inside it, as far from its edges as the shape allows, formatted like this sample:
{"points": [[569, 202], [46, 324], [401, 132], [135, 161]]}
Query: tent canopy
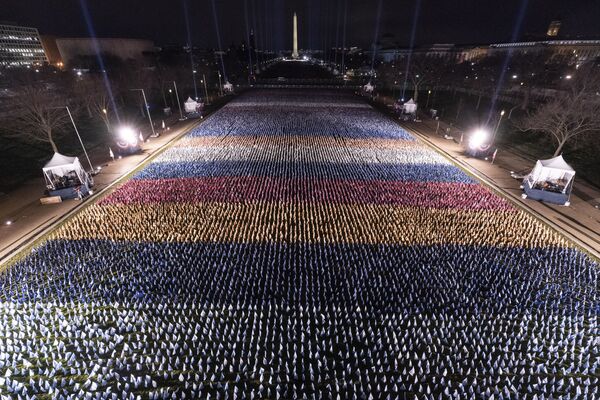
{"points": [[191, 105], [552, 174], [553, 169], [64, 171], [557, 163], [59, 160], [410, 107]]}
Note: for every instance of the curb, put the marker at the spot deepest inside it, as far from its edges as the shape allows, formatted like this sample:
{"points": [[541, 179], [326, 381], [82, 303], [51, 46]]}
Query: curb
{"points": [[509, 196], [32, 239]]}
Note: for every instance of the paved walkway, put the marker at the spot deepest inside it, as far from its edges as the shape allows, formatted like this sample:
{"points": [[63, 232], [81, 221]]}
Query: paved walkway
{"points": [[580, 221], [29, 218]]}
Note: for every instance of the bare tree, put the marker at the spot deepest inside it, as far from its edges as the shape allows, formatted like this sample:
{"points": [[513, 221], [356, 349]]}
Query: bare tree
{"points": [[99, 102], [481, 78], [39, 115], [573, 113], [83, 89], [426, 71], [537, 70]]}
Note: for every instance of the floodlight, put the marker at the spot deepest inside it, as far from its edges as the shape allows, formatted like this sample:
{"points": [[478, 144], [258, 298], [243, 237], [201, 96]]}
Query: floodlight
{"points": [[478, 139], [127, 134]]}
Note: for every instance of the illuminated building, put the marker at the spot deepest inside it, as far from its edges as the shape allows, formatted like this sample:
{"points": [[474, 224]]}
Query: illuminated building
{"points": [[20, 46]]}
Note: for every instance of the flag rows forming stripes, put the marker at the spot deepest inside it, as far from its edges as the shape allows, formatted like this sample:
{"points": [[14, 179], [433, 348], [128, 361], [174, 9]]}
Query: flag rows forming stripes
{"points": [[298, 244]]}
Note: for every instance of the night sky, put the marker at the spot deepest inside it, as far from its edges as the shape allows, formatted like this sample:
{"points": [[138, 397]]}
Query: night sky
{"points": [[440, 21]]}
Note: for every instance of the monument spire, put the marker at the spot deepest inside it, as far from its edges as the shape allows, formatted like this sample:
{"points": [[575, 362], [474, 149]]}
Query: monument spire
{"points": [[295, 51]]}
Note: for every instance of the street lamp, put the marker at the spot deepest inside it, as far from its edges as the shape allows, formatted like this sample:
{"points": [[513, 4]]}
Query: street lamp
{"points": [[147, 111], [428, 94], [172, 100], [205, 89], [220, 84], [105, 112], [80, 141], [497, 125], [513, 109], [178, 102], [195, 86]]}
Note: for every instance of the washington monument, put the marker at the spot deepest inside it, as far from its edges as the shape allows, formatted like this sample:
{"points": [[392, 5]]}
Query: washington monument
{"points": [[295, 51]]}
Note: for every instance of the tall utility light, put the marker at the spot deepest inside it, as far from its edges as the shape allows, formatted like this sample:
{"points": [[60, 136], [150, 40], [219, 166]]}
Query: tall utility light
{"points": [[178, 102], [80, 141], [147, 111]]}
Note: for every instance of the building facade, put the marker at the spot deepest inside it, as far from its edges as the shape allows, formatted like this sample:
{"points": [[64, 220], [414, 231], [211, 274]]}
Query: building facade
{"points": [[20, 46], [581, 51], [443, 51]]}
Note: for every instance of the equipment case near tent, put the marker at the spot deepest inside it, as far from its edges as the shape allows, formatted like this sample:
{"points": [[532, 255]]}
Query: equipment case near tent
{"points": [[550, 181]]}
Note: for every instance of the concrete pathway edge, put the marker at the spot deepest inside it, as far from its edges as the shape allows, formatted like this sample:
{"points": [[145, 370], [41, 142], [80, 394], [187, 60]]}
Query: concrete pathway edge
{"points": [[38, 235]]}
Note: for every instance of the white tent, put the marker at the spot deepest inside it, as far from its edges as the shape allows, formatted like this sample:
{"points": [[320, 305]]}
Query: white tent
{"points": [[228, 87], [64, 171], [410, 107], [553, 170], [191, 105], [550, 180]]}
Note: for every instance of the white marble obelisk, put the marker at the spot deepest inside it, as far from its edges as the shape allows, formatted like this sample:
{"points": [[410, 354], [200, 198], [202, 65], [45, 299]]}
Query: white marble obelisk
{"points": [[295, 51]]}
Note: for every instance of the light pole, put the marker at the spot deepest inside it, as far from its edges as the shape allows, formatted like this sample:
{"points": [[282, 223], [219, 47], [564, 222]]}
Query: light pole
{"points": [[172, 100], [220, 85], [105, 112], [497, 125], [205, 89], [513, 109], [195, 86], [178, 102], [428, 94], [80, 141], [147, 111]]}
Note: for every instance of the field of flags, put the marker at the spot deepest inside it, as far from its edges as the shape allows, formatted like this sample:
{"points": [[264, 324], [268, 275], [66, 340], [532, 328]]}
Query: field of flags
{"points": [[299, 244]]}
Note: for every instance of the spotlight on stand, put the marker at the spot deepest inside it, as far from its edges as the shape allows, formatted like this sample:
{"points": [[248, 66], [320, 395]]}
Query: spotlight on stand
{"points": [[127, 134], [127, 140], [480, 143], [478, 139]]}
